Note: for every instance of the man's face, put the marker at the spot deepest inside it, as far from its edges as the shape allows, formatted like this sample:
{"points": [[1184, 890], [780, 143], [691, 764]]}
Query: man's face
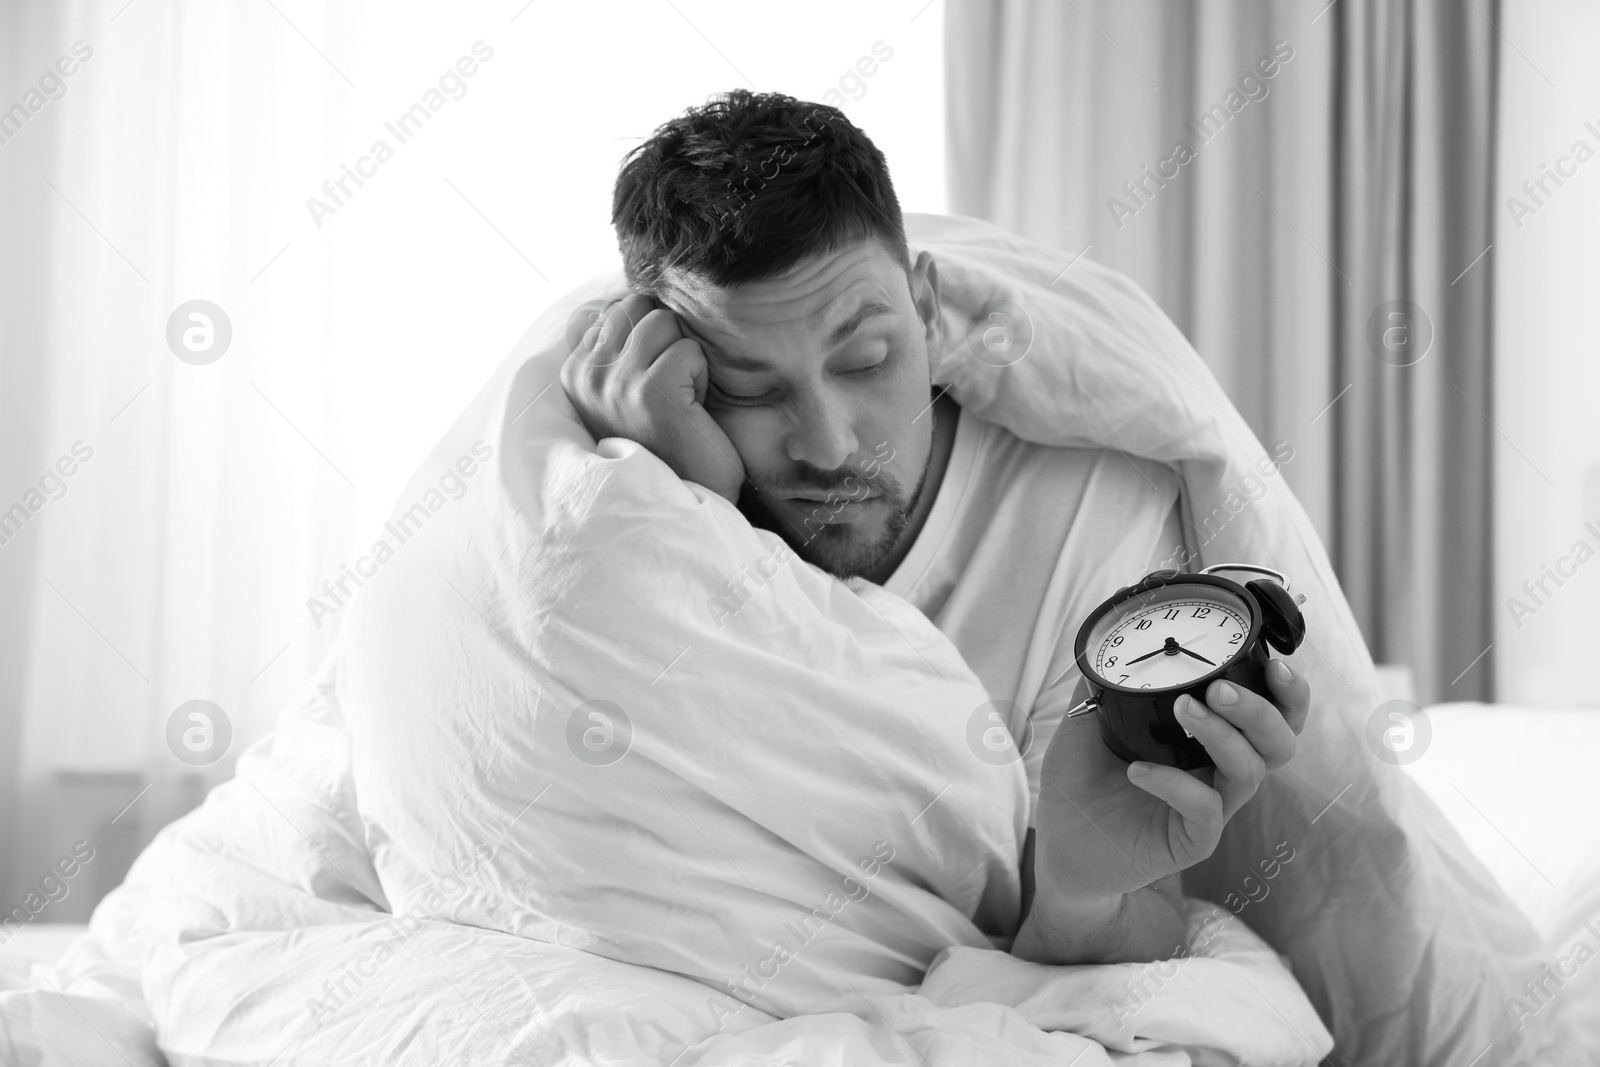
{"points": [[820, 378]]}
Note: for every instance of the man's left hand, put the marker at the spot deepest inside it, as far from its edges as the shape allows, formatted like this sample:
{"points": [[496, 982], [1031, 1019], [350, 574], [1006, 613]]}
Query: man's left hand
{"points": [[1106, 828]]}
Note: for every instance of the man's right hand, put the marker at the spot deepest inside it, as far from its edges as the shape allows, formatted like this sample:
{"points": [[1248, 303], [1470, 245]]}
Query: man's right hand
{"points": [[637, 376]]}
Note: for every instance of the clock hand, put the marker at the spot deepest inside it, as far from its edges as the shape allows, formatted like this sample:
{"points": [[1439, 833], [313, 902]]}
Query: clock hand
{"points": [[1146, 656], [1196, 655]]}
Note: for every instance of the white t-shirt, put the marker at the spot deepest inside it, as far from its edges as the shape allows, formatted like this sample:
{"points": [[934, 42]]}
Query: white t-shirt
{"points": [[1022, 542]]}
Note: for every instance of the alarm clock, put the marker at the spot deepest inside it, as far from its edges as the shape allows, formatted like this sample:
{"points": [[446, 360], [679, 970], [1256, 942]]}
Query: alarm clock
{"points": [[1173, 633]]}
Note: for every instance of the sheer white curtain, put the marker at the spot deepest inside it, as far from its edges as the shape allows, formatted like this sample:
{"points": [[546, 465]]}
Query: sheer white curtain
{"points": [[163, 570], [178, 166]]}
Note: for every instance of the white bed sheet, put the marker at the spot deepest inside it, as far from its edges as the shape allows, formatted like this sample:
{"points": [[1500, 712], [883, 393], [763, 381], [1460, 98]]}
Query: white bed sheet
{"points": [[42, 942], [1515, 781], [1519, 784]]}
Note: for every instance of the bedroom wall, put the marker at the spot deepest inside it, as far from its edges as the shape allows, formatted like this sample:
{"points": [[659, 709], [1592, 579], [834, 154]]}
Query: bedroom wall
{"points": [[1547, 387]]}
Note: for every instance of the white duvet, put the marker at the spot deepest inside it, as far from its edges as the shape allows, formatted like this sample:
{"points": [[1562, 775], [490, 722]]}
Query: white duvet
{"points": [[545, 804]]}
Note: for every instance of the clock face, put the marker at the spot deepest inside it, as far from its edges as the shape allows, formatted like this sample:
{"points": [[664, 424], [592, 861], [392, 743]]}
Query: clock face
{"points": [[1168, 637]]}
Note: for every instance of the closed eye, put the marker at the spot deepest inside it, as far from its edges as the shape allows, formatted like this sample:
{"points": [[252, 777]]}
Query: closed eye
{"points": [[722, 396], [715, 393]]}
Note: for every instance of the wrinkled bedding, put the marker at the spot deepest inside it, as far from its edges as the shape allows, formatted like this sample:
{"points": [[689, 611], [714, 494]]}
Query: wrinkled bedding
{"points": [[300, 965], [544, 804]]}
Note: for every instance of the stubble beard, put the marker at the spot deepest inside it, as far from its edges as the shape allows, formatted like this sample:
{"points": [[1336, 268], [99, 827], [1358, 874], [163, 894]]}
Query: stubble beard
{"points": [[836, 547]]}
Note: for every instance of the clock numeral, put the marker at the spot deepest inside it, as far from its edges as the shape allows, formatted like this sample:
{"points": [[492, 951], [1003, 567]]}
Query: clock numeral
{"points": [[1112, 662], [1124, 678], [1145, 686], [1200, 613], [1115, 641], [1144, 624], [1172, 613], [1235, 640]]}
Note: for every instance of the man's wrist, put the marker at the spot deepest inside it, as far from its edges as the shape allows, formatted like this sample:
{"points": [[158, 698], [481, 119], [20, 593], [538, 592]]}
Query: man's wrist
{"points": [[1061, 930], [1134, 928]]}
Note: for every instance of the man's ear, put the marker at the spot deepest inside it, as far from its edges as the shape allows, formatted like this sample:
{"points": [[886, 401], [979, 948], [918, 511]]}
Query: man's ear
{"points": [[924, 282]]}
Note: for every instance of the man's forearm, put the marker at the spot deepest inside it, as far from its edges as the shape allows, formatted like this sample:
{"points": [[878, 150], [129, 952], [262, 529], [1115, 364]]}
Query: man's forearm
{"points": [[1141, 926]]}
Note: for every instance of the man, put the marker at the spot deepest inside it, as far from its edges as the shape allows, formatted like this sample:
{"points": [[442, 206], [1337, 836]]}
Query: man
{"points": [[778, 350]]}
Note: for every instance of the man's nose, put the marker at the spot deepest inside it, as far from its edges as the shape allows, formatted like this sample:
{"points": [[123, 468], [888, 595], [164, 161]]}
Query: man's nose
{"points": [[824, 433]]}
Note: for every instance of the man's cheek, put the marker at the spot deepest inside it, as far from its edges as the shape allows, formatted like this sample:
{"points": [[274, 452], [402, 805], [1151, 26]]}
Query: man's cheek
{"points": [[902, 446]]}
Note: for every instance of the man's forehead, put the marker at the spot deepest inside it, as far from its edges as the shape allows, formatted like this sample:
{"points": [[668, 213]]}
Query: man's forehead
{"points": [[815, 297]]}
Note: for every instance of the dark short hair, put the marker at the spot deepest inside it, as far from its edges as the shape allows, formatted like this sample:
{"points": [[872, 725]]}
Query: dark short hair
{"points": [[746, 186]]}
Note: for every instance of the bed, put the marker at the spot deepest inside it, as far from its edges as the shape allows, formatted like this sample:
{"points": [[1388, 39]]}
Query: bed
{"points": [[258, 918], [1504, 775], [1515, 781]]}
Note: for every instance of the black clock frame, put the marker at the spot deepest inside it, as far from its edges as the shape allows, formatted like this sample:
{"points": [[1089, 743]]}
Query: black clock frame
{"points": [[1140, 724]]}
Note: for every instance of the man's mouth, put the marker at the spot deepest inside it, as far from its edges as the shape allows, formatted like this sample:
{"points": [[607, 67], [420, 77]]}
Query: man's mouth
{"points": [[834, 499], [832, 509]]}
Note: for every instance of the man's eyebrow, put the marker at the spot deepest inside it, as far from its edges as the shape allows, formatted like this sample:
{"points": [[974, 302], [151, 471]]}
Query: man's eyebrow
{"points": [[731, 361], [850, 325]]}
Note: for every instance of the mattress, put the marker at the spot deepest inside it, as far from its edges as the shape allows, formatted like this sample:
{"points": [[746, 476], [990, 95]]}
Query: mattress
{"points": [[42, 942], [1515, 782], [1504, 775]]}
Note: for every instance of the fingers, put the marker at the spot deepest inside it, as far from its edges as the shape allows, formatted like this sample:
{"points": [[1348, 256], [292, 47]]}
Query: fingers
{"points": [[1245, 736], [614, 351], [650, 336], [683, 361], [1200, 808], [1292, 694], [1262, 724], [603, 342], [1239, 767]]}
